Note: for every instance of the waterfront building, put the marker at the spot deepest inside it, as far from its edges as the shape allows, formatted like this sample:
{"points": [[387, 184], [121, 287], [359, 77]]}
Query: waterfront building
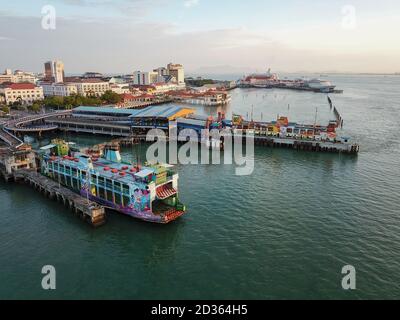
{"points": [[103, 113], [54, 71], [161, 112], [13, 160], [140, 120], [130, 101], [208, 98], [26, 93]]}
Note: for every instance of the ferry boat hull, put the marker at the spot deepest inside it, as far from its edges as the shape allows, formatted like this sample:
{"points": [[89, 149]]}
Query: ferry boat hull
{"points": [[147, 215]]}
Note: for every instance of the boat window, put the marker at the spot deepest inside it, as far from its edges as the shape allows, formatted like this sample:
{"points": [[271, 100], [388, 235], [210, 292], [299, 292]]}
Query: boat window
{"points": [[102, 193], [109, 184], [118, 199], [110, 196], [125, 188], [126, 200]]}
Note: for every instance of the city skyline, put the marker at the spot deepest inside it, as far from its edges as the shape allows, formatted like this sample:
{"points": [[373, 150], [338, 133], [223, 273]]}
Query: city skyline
{"points": [[206, 37]]}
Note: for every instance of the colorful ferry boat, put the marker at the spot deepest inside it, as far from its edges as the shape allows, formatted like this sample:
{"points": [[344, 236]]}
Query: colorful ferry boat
{"points": [[148, 193]]}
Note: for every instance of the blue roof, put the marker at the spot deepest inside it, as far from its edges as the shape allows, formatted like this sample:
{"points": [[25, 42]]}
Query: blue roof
{"points": [[189, 121], [157, 112], [148, 112], [128, 112]]}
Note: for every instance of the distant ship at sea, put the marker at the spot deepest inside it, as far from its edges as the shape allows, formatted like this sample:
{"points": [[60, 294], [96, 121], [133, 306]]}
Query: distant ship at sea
{"points": [[271, 80]]}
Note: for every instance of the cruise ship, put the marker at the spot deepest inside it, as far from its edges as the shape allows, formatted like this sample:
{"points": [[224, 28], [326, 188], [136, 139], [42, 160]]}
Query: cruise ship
{"points": [[320, 85], [148, 193]]}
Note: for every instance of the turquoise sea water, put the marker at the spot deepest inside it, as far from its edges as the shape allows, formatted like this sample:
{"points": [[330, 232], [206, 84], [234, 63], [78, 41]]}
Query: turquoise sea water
{"points": [[285, 232]]}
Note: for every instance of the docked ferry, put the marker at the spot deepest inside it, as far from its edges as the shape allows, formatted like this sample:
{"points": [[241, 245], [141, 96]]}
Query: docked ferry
{"points": [[320, 85], [148, 193]]}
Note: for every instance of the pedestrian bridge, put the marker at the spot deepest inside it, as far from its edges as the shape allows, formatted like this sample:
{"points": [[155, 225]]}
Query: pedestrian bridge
{"points": [[35, 123], [11, 140]]}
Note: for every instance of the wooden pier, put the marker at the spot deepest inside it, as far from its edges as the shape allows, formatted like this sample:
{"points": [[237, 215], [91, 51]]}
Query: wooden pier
{"points": [[87, 210], [272, 142], [307, 145]]}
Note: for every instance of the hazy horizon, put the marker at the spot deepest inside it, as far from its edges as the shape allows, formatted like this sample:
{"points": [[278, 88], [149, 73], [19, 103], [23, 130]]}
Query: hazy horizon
{"points": [[207, 37]]}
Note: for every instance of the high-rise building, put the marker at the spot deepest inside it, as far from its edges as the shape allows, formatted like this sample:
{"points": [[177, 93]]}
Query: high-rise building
{"points": [[48, 70], [177, 71], [54, 71], [145, 78], [162, 74], [59, 71]]}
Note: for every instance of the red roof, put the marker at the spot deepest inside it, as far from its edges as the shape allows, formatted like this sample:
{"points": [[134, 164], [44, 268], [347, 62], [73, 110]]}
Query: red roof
{"points": [[127, 96], [21, 86], [130, 97]]}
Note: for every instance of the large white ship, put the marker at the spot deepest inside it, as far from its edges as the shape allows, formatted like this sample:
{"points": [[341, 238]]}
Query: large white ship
{"points": [[271, 80], [320, 85]]}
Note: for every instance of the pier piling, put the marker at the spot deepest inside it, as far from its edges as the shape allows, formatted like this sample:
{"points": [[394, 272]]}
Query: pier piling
{"points": [[87, 210]]}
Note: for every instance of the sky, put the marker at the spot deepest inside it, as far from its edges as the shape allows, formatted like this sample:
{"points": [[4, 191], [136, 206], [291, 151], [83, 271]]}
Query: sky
{"points": [[206, 36]]}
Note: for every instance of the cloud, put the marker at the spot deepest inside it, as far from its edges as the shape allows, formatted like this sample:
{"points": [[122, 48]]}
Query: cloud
{"points": [[125, 7], [4, 38], [124, 45], [191, 3]]}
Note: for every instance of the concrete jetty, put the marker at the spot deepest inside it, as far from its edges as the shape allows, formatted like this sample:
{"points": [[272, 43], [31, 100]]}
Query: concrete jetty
{"points": [[87, 210]]}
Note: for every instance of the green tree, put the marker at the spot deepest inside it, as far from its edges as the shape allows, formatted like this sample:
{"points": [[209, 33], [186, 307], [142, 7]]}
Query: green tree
{"points": [[53, 102], [5, 109], [35, 107], [111, 97], [17, 104]]}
